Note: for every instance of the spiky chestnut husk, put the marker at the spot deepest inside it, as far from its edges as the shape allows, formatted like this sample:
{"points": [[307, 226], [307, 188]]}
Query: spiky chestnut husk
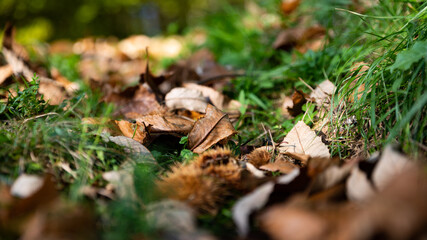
{"points": [[217, 156], [259, 157], [226, 174], [190, 184]]}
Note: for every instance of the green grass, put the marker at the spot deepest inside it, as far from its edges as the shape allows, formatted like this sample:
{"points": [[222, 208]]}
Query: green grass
{"points": [[390, 38]]}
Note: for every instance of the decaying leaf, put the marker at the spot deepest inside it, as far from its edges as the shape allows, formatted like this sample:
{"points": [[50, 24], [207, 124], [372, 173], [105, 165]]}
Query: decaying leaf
{"points": [[134, 147], [53, 91], [122, 181], [131, 100], [256, 200], [5, 72], [287, 222], [323, 92], [358, 186], [132, 130], [390, 164], [185, 98], [172, 216], [209, 130], [289, 38], [301, 139], [398, 211], [160, 123], [288, 6], [62, 221], [292, 107]]}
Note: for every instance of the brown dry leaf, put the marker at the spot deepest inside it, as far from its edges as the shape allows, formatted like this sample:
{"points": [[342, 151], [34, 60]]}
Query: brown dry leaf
{"points": [[161, 123], [20, 208], [185, 98], [62, 221], [292, 107], [5, 73], [209, 130], [70, 87], [323, 92], [53, 91], [332, 176], [301, 139], [287, 222], [359, 91], [291, 37], [132, 100], [131, 130], [201, 66], [288, 6], [256, 200], [399, 211]]}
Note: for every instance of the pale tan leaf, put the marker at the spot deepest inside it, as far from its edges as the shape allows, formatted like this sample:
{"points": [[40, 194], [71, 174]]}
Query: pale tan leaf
{"points": [[358, 186], [301, 139], [323, 92], [185, 98], [390, 164], [216, 98], [26, 185]]}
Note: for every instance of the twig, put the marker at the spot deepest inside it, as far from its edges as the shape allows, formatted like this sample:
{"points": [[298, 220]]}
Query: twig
{"points": [[39, 116]]}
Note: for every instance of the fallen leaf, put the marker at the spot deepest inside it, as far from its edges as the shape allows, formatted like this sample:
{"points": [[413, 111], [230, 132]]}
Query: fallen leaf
{"points": [[132, 131], [123, 182], [209, 130], [398, 211], [254, 201], [5, 73], [293, 106], [53, 91], [358, 186], [132, 100], [134, 147], [185, 98], [287, 222], [323, 92], [288, 6], [160, 123], [172, 216], [301, 139], [62, 221], [26, 185], [390, 164], [291, 37]]}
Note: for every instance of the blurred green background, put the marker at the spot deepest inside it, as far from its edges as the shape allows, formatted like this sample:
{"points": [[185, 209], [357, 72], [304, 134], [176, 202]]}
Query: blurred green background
{"points": [[47, 20]]}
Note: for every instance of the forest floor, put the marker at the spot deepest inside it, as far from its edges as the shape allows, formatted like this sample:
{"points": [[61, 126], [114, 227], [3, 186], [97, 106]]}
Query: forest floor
{"points": [[298, 120]]}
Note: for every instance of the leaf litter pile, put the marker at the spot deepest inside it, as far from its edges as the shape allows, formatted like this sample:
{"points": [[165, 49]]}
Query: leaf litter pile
{"points": [[216, 187]]}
